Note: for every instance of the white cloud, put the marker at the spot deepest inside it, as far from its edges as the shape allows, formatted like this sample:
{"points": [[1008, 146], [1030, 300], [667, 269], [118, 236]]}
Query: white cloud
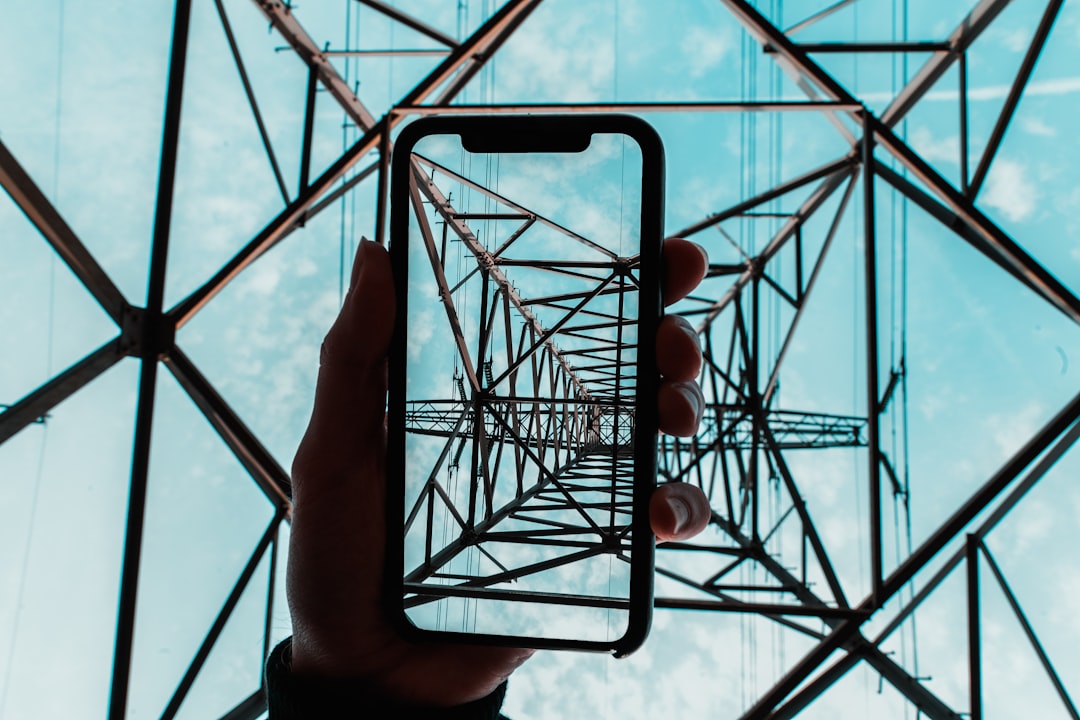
{"points": [[1067, 205], [263, 277], [700, 197], [421, 329], [1010, 430], [557, 58], [1009, 189], [707, 48], [305, 267], [1026, 538], [1064, 615], [941, 28], [1037, 126], [1016, 39], [1054, 86], [933, 148]]}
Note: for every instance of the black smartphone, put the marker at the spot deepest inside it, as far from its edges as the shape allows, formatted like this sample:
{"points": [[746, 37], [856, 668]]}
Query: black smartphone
{"points": [[522, 420]]}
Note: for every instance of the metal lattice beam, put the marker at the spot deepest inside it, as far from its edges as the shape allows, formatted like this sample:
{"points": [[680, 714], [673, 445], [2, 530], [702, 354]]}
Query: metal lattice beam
{"points": [[747, 432]]}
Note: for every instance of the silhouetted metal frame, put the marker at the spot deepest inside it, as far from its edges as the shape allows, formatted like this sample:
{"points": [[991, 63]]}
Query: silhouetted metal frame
{"points": [[1014, 604], [249, 92], [223, 616], [149, 334], [873, 409], [1046, 461], [971, 552], [752, 406], [143, 333], [48, 221], [922, 555], [158, 340], [967, 224], [38, 403], [1042, 32]]}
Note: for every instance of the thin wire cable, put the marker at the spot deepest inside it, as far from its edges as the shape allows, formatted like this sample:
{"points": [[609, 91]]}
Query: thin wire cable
{"points": [[867, 177], [746, 241], [390, 63], [894, 349], [465, 162], [753, 628], [773, 315], [743, 646], [779, 143], [903, 361], [24, 569], [354, 210], [344, 146], [859, 508], [23, 572], [622, 156]]}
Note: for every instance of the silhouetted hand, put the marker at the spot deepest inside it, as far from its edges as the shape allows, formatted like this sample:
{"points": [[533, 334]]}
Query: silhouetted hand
{"points": [[339, 484]]}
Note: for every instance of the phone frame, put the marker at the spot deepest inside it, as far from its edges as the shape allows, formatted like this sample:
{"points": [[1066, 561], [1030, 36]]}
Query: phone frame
{"points": [[523, 134]]}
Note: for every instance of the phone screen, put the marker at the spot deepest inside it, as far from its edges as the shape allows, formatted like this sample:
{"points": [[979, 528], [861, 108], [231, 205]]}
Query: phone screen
{"points": [[521, 448]]}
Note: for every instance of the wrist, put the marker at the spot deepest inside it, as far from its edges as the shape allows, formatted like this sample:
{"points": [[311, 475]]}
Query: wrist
{"points": [[292, 695]]}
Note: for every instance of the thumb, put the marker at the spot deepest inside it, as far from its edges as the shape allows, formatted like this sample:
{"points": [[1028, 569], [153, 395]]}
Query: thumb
{"points": [[346, 431]]}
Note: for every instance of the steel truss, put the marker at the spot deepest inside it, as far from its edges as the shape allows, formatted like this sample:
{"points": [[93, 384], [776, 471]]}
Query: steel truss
{"points": [[558, 410], [746, 436]]}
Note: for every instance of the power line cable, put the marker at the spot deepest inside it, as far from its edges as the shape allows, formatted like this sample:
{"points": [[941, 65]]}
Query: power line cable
{"points": [[24, 569]]}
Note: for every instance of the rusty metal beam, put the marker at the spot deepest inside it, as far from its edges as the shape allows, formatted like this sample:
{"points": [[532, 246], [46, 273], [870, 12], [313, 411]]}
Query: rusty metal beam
{"points": [[47, 219], [484, 258], [38, 403], [494, 30], [282, 19]]}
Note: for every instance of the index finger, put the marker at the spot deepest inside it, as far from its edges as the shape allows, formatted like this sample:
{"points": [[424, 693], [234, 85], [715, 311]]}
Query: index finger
{"points": [[346, 427]]}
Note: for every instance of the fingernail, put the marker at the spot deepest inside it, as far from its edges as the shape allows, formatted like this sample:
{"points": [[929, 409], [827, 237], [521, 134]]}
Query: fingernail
{"points": [[703, 251], [688, 329], [689, 391], [358, 262], [680, 511]]}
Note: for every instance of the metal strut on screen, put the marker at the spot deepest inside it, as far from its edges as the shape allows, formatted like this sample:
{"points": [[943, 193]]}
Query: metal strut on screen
{"points": [[570, 444], [743, 411]]}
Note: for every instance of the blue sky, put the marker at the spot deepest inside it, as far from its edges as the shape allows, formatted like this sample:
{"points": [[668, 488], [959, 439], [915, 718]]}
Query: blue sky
{"points": [[988, 363]]}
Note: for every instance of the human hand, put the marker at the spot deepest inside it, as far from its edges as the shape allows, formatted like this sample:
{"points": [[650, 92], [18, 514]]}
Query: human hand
{"points": [[338, 526]]}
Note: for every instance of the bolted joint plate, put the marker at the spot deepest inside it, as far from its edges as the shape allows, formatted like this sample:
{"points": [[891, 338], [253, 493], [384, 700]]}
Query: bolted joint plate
{"points": [[145, 335]]}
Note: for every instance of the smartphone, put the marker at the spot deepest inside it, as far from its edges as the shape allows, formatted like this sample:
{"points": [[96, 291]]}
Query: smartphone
{"points": [[522, 420]]}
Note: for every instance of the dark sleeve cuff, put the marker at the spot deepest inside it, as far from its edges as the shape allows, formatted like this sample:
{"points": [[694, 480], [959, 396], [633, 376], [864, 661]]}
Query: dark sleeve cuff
{"points": [[303, 697]]}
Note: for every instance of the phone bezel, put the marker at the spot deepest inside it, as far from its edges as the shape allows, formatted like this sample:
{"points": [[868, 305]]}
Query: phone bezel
{"points": [[533, 133]]}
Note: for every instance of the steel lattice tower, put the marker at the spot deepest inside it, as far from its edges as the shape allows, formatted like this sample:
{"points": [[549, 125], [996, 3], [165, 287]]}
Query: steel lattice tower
{"points": [[766, 554]]}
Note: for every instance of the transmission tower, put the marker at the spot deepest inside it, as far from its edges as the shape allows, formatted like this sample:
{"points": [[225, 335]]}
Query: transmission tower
{"points": [[771, 556]]}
